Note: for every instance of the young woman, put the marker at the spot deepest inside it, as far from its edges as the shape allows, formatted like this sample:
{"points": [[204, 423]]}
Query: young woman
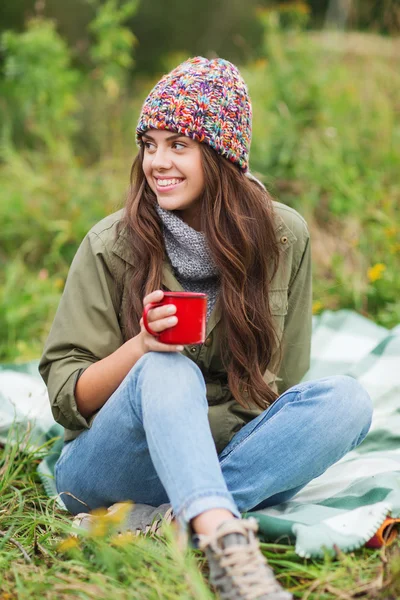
{"points": [[215, 429]]}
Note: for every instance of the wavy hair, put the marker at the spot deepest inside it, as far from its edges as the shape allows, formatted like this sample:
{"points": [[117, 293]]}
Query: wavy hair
{"points": [[237, 220]]}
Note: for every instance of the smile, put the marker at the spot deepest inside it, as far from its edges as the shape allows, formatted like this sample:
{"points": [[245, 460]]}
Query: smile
{"points": [[165, 185]]}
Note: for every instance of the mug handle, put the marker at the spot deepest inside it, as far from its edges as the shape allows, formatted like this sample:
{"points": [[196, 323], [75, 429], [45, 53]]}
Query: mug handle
{"points": [[144, 315]]}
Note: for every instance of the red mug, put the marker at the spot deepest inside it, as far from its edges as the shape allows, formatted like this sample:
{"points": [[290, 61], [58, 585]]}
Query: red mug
{"points": [[191, 310]]}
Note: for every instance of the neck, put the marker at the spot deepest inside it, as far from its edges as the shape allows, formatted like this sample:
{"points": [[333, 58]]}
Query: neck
{"points": [[190, 217]]}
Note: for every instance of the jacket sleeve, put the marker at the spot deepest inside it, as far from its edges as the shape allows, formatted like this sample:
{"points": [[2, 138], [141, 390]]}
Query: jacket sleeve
{"points": [[85, 328], [296, 339]]}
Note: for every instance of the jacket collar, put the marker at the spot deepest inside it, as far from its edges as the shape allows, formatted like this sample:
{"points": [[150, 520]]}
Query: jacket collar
{"points": [[284, 236], [122, 249]]}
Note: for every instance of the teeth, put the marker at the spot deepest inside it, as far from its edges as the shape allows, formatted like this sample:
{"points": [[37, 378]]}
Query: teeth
{"points": [[165, 182]]}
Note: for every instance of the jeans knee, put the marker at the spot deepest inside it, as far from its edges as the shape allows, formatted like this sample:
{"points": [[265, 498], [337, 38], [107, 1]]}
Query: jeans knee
{"points": [[350, 403], [171, 365], [171, 375]]}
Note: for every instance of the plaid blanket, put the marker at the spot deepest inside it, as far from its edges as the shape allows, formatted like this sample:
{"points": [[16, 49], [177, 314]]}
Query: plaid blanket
{"points": [[342, 508]]}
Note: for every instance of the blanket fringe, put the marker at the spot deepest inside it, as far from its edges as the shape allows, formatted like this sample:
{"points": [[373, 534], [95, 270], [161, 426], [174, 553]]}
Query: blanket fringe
{"points": [[385, 510]]}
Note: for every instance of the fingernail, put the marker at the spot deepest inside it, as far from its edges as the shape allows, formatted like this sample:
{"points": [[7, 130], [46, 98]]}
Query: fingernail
{"points": [[179, 348], [172, 320]]}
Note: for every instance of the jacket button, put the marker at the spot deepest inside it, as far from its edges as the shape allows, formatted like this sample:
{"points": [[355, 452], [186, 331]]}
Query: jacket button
{"points": [[193, 349], [284, 239], [208, 341]]}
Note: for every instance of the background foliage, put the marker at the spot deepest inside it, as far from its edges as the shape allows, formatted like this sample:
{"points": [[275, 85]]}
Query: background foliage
{"points": [[229, 28], [326, 138]]}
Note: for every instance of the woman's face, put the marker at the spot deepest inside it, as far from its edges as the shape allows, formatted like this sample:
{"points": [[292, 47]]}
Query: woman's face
{"points": [[173, 168]]}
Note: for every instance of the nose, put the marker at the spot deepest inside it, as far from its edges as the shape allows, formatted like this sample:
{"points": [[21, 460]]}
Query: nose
{"points": [[161, 159]]}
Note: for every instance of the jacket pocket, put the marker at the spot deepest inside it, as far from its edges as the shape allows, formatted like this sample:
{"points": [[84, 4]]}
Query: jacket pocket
{"points": [[278, 301]]}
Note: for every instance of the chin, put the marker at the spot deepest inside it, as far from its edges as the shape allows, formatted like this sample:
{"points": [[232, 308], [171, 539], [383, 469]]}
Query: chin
{"points": [[169, 204]]}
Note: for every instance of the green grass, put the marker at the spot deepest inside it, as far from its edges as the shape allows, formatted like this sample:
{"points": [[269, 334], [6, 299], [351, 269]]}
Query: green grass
{"points": [[34, 567]]}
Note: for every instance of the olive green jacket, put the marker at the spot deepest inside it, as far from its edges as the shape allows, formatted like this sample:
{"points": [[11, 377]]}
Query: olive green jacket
{"points": [[89, 323]]}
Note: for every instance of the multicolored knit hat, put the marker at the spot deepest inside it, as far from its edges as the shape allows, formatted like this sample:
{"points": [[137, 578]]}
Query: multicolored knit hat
{"points": [[206, 100]]}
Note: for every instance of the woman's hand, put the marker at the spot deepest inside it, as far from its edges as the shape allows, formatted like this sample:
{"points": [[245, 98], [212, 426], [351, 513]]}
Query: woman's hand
{"points": [[96, 384], [159, 318]]}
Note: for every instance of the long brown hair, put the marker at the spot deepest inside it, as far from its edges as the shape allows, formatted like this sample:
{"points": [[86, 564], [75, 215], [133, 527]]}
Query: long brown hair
{"points": [[237, 220]]}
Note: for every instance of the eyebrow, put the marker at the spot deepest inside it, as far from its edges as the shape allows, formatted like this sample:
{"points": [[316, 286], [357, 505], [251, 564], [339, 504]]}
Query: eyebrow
{"points": [[168, 139]]}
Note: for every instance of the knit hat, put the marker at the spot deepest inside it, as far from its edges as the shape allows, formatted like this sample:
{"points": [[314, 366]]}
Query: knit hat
{"points": [[206, 100]]}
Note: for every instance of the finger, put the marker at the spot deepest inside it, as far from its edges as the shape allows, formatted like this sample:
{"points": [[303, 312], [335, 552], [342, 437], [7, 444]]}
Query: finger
{"points": [[155, 296], [161, 324], [156, 346], [162, 312]]}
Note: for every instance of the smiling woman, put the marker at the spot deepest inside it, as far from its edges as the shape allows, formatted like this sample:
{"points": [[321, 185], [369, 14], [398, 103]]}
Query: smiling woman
{"points": [[215, 429], [173, 168]]}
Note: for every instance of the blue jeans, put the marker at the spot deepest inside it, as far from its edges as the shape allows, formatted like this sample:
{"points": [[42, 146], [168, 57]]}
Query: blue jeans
{"points": [[151, 443]]}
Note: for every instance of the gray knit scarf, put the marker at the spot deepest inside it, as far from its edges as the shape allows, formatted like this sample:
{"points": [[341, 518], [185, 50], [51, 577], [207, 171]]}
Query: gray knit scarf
{"points": [[190, 257]]}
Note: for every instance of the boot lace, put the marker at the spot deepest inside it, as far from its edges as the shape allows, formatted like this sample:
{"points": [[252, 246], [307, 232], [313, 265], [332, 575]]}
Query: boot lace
{"points": [[245, 566]]}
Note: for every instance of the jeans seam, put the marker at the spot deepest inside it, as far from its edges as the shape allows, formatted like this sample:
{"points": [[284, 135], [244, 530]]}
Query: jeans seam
{"points": [[60, 461], [297, 390], [297, 393], [155, 441], [165, 463], [132, 397], [361, 437], [168, 472]]}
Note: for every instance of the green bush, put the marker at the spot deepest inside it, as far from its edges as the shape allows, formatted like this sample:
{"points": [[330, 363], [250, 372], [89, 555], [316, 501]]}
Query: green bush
{"points": [[325, 141], [38, 85]]}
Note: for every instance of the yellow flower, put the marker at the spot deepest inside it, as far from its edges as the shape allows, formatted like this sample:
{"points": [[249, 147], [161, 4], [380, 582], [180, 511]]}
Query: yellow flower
{"points": [[68, 544], [260, 63], [317, 307], [299, 7], [118, 513], [376, 272], [123, 539], [99, 512], [303, 8], [59, 283], [390, 231], [105, 520], [98, 528]]}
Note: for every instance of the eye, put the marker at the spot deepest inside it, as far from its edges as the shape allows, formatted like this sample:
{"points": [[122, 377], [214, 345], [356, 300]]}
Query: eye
{"points": [[148, 145], [176, 144]]}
